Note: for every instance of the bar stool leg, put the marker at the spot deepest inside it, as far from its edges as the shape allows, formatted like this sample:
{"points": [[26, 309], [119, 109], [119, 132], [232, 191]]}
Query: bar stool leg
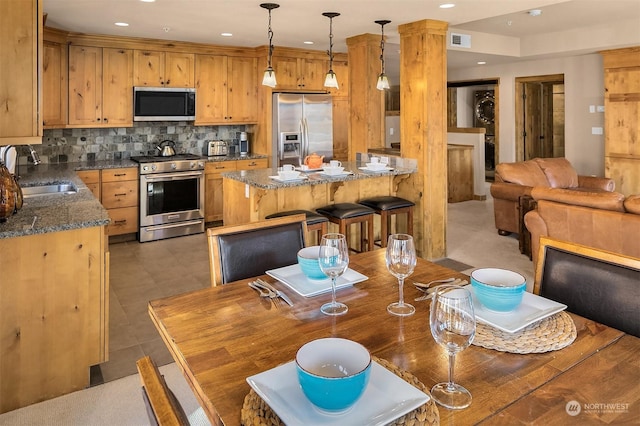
{"points": [[370, 236], [384, 228]]}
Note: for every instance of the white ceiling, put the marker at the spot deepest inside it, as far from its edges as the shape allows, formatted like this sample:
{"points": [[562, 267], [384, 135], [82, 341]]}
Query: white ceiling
{"points": [[296, 21]]}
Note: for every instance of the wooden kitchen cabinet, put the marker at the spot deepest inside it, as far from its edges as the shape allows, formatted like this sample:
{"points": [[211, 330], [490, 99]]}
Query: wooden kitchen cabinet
{"points": [[117, 190], [120, 196], [260, 163], [227, 89], [300, 73], [100, 86], [91, 178], [163, 69], [20, 62], [54, 84], [54, 301], [213, 188]]}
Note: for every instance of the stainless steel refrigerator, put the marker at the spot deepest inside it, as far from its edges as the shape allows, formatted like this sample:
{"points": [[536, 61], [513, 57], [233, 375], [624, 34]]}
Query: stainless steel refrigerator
{"points": [[302, 125]]}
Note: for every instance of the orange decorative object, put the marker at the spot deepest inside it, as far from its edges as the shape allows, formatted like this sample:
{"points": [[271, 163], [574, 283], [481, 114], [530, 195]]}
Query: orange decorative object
{"points": [[314, 161]]}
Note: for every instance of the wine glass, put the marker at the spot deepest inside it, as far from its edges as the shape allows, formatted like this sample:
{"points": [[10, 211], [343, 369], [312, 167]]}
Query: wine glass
{"points": [[401, 261], [453, 326], [333, 259]]}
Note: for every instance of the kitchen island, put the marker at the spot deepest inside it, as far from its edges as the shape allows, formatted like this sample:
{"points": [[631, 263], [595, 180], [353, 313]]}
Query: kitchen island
{"points": [[252, 195], [54, 290]]}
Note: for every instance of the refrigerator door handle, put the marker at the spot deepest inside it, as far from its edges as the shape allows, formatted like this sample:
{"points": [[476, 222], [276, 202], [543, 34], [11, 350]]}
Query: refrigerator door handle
{"points": [[306, 136]]}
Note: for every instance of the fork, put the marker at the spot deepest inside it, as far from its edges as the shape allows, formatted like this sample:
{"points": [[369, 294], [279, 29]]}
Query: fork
{"points": [[266, 293], [429, 292]]}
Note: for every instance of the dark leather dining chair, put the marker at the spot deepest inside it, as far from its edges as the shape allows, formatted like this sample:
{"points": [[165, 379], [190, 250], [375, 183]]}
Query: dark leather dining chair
{"points": [[593, 283], [242, 251]]}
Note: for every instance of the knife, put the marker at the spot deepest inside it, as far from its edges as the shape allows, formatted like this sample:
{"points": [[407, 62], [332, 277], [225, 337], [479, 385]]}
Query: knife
{"points": [[279, 293]]}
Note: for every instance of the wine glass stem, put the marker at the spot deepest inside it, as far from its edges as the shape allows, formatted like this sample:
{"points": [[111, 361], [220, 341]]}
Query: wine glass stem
{"points": [[400, 291], [452, 363], [333, 290]]}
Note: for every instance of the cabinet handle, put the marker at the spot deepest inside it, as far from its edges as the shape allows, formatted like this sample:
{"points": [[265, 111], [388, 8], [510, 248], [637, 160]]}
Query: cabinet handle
{"points": [[106, 120], [119, 174], [98, 119], [120, 222], [168, 82], [120, 195]]}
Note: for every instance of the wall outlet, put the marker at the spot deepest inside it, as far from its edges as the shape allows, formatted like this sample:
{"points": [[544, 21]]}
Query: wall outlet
{"points": [[596, 130], [600, 108], [592, 109], [391, 131]]}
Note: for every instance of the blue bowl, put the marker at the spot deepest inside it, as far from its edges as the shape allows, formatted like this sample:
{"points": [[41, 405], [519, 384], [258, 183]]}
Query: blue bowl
{"points": [[333, 373], [308, 261], [497, 289]]}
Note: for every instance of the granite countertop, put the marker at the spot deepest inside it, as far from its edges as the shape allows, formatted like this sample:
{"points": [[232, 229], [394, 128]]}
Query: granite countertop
{"points": [[56, 212], [262, 178], [236, 157]]}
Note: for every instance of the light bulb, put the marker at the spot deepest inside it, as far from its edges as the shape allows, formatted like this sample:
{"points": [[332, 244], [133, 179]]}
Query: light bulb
{"points": [[331, 80], [383, 82], [269, 78]]}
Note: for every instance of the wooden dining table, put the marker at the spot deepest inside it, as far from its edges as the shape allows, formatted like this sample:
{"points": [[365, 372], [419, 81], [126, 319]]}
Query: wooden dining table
{"points": [[221, 335]]}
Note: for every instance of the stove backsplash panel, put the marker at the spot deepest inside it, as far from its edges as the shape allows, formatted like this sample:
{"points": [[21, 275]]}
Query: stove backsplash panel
{"points": [[74, 145]]}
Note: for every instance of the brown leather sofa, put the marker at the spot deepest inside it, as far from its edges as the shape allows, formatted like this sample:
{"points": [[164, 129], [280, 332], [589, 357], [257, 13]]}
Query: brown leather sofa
{"points": [[606, 221], [513, 180]]}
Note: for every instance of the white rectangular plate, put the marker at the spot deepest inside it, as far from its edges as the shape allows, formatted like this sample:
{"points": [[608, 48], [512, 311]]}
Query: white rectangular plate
{"points": [[293, 278], [533, 308], [279, 179], [336, 175], [386, 398], [366, 169], [300, 169]]}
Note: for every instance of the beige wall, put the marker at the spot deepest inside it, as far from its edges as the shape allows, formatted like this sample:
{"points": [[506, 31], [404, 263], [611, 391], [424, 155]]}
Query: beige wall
{"points": [[584, 86]]}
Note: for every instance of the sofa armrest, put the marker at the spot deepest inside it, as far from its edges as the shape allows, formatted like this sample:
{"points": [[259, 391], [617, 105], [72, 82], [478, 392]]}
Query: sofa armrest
{"points": [[509, 191], [593, 182], [580, 197], [538, 228]]}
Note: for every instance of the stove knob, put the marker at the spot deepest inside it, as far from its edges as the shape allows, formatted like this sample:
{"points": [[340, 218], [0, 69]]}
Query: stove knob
{"points": [[154, 167], [192, 165], [174, 166], [201, 164], [145, 168]]}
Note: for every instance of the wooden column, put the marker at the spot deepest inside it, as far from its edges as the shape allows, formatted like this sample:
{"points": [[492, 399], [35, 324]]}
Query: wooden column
{"points": [[366, 126], [423, 126]]}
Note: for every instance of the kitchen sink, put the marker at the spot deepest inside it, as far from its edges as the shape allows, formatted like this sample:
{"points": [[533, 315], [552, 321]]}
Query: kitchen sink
{"points": [[58, 188]]}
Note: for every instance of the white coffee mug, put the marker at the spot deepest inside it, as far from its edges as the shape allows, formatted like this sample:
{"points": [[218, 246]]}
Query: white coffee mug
{"points": [[374, 159], [335, 163], [288, 167]]}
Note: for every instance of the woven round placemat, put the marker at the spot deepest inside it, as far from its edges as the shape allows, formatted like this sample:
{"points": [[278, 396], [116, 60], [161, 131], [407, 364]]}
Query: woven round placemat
{"points": [[256, 412], [550, 334]]}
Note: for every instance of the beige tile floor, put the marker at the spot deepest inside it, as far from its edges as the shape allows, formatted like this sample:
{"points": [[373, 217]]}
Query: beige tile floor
{"points": [[143, 272]]}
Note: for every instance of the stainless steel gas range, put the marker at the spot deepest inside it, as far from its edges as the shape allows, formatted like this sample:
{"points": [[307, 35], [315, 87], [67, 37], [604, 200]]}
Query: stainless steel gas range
{"points": [[171, 196]]}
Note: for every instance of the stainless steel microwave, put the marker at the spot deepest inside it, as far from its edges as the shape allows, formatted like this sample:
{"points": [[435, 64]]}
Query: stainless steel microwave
{"points": [[164, 104]]}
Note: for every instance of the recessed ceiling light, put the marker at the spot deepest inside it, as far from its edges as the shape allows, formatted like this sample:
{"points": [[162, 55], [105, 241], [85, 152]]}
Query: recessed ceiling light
{"points": [[121, 24], [482, 63], [307, 42], [226, 34], [148, 1], [535, 12], [447, 5]]}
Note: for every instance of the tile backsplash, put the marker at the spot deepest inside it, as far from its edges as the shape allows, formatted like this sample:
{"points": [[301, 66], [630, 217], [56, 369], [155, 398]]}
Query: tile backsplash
{"points": [[73, 145]]}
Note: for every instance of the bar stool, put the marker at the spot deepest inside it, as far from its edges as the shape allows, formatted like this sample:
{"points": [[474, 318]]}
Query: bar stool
{"points": [[345, 214], [387, 206], [315, 222]]}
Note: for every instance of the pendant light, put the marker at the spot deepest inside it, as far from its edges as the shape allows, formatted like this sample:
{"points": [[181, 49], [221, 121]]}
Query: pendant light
{"points": [[269, 78], [331, 80], [383, 81]]}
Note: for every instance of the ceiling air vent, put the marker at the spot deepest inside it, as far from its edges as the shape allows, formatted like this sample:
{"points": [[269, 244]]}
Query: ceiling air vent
{"points": [[460, 40]]}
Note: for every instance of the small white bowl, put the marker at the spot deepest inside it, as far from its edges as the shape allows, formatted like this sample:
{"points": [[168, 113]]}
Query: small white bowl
{"points": [[288, 174]]}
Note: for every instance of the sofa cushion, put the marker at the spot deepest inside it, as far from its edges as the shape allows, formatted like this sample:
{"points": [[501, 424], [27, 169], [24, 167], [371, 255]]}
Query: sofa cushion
{"points": [[559, 172], [581, 197], [632, 204], [527, 173]]}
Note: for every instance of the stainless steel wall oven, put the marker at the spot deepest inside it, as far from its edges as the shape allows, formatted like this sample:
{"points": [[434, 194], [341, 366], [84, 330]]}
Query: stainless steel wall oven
{"points": [[171, 196]]}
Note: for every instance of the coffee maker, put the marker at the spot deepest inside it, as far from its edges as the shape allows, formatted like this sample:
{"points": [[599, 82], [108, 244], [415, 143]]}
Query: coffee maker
{"points": [[244, 143]]}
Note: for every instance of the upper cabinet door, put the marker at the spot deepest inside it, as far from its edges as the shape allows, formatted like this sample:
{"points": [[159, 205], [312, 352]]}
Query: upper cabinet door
{"points": [[148, 68], [20, 60], [286, 70], [163, 69], [54, 84], [117, 87], [311, 73], [242, 84], [211, 85], [179, 69], [85, 85]]}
